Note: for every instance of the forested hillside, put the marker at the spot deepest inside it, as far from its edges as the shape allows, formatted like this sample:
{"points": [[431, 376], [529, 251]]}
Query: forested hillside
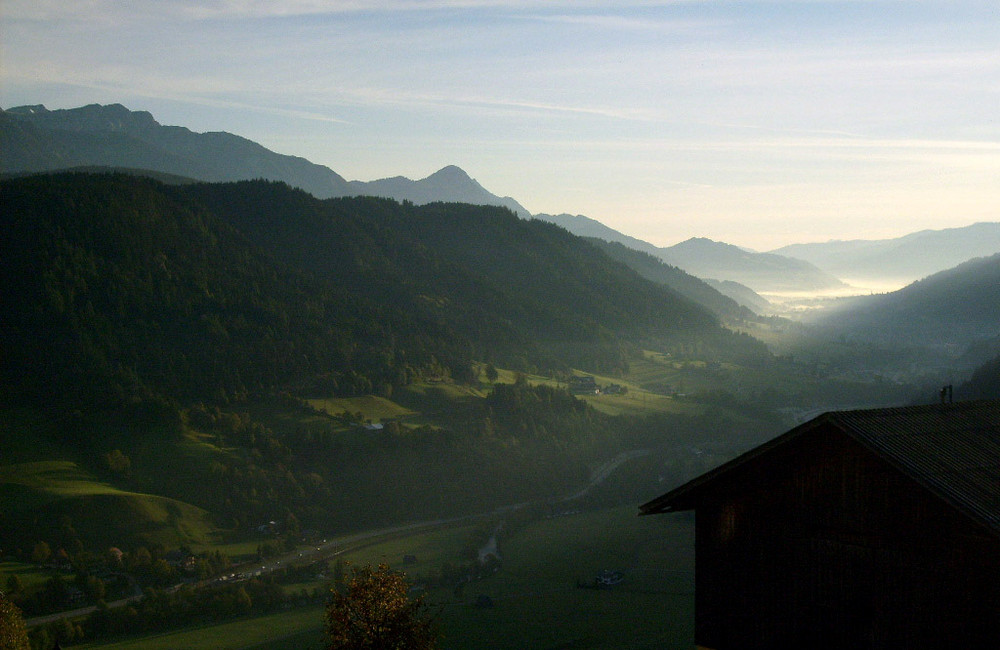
{"points": [[956, 307], [984, 383], [215, 289], [162, 343], [653, 268]]}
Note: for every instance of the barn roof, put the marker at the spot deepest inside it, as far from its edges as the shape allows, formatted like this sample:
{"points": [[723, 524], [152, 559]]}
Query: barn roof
{"points": [[953, 450]]}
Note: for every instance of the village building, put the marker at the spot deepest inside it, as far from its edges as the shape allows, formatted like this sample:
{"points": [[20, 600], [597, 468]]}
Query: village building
{"points": [[858, 529], [583, 385]]}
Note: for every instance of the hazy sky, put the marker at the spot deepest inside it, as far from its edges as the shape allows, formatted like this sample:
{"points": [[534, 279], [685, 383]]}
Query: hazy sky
{"points": [[755, 123]]}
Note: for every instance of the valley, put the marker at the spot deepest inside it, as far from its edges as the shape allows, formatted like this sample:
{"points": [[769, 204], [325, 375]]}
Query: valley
{"points": [[216, 394]]}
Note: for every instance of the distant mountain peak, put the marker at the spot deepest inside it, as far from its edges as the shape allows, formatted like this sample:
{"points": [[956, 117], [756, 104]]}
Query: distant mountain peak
{"points": [[38, 139], [96, 135], [902, 259], [762, 272], [92, 117], [704, 242], [449, 184], [452, 177], [451, 173], [33, 109]]}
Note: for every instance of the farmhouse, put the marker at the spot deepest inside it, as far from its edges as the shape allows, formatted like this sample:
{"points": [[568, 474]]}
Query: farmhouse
{"points": [[585, 385], [858, 529]]}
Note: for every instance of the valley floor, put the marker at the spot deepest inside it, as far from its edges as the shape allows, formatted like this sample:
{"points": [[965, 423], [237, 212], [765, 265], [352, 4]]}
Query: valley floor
{"points": [[541, 596]]}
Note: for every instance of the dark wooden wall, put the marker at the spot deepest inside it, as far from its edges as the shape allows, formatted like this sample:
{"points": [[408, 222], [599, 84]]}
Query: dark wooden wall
{"points": [[820, 544]]}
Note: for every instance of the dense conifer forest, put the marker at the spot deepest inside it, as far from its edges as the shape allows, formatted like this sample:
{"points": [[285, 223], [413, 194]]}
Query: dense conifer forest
{"points": [[215, 290], [144, 320]]}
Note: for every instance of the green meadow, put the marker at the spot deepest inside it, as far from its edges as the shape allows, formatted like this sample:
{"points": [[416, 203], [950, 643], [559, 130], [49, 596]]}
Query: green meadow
{"points": [[295, 629], [371, 407], [64, 487], [538, 599], [541, 597]]}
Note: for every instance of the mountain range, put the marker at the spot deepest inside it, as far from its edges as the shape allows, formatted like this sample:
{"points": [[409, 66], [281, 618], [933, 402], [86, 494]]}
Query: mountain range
{"points": [[738, 273], [762, 272], [902, 259], [701, 291], [952, 312], [168, 321], [163, 320], [449, 184], [33, 139]]}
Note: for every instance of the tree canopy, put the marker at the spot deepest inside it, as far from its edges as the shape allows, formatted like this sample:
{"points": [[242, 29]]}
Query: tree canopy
{"points": [[13, 634], [376, 613], [139, 289]]}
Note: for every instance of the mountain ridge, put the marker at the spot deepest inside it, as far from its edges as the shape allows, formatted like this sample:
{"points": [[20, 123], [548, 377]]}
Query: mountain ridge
{"points": [[763, 272], [453, 281], [34, 139], [953, 311], [715, 261], [449, 184], [907, 258]]}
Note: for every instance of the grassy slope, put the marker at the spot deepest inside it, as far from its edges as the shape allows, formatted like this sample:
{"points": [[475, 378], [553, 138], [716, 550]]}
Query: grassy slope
{"points": [[43, 480], [53, 488], [537, 603]]}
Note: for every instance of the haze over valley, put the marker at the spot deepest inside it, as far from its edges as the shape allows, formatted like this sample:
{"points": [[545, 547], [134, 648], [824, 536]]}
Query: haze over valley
{"points": [[392, 336], [296, 297]]}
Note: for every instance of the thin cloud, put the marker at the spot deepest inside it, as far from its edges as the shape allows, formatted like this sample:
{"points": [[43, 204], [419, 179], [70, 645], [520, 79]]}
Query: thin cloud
{"points": [[620, 22], [111, 10]]}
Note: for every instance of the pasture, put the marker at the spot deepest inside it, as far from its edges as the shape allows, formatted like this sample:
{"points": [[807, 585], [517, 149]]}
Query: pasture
{"points": [[294, 629], [64, 487], [541, 597]]}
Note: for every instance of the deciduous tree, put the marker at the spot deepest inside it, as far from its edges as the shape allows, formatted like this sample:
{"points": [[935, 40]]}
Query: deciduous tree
{"points": [[13, 633], [41, 553], [376, 613]]}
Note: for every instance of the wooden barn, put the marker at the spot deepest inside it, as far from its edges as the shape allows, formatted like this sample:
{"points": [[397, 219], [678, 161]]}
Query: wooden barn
{"points": [[858, 529]]}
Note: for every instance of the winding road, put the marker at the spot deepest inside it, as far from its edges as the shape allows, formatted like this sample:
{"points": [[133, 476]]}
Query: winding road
{"points": [[327, 549]]}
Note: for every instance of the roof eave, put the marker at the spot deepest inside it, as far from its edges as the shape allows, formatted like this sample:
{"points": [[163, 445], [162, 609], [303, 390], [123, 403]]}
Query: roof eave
{"points": [[675, 501]]}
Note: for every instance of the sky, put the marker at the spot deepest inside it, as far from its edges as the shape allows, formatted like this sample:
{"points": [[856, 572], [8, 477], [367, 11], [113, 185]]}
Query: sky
{"points": [[756, 123]]}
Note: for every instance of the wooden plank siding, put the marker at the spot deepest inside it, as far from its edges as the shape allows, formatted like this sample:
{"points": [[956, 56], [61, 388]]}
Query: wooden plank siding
{"points": [[821, 543]]}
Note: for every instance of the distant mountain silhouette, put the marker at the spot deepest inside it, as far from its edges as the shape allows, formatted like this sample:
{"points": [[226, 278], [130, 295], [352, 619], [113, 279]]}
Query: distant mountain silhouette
{"points": [[762, 272], [742, 294], [450, 184], [587, 227], [35, 139], [740, 274], [653, 268], [952, 309], [904, 259]]}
